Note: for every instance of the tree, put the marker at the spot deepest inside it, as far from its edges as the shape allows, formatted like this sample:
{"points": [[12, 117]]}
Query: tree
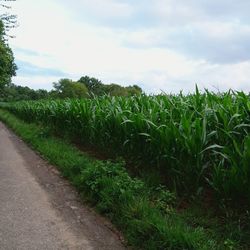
{"points": [[7, 66], [97, 88], [93, 85], [13, 92], [42, 94], [134, 90], [117, 90], [67, 88]]}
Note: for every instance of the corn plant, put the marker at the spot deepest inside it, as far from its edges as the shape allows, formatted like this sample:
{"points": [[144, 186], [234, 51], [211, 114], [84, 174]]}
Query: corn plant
{"points": [[194, 141]]}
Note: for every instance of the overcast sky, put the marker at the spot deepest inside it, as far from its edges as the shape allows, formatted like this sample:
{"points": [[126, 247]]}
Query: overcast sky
{"points": [[161, 45]]}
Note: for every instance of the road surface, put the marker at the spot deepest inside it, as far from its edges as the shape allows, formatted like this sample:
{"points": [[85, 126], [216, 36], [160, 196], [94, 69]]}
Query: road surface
{"points": [[40, 210]]}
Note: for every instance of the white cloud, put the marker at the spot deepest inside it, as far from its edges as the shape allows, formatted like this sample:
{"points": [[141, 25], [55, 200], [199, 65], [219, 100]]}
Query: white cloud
{"points": [[183, 45], [35, 82], [105, 8]]}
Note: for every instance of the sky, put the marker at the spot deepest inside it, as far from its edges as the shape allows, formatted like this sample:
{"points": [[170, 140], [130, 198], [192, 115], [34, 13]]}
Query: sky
{"points": [[160, 45]]}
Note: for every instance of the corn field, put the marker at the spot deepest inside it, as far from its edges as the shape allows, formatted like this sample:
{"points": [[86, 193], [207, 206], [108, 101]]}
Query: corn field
{"points": [[195, 141]]}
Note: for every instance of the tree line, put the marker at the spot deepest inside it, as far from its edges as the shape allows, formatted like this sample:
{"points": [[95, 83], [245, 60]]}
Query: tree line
{"points": [[85, 87], [89, 86]]}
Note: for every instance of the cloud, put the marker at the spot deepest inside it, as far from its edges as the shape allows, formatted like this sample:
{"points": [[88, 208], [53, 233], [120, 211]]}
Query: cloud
{"points": [[212, 41], [160, 45], [29, 69], [35, 82], [216, 31], [26, 52], [109, 13]]}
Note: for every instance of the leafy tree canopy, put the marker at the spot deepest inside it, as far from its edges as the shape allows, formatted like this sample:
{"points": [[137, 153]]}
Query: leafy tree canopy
{"points": [[93, 85], [17, 93], [97, 88], [7, 65], [66, 88]]}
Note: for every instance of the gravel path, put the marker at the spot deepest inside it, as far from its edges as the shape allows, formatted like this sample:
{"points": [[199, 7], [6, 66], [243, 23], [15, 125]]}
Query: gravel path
{"points": [[40, 210]]}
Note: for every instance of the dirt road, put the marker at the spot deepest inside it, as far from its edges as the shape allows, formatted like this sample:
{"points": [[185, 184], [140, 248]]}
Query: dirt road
{"points": [[39, 209]]}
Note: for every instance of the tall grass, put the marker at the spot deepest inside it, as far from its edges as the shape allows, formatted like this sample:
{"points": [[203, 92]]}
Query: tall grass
{"points": [[195, 141]]}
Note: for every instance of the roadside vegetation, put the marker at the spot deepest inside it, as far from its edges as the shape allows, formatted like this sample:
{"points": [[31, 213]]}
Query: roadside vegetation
{"points": [[144, 215], [197, 143], [187, 158]]}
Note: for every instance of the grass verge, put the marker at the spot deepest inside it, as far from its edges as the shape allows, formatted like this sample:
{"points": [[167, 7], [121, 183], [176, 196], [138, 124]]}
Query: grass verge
{"points": [[145, 216]]}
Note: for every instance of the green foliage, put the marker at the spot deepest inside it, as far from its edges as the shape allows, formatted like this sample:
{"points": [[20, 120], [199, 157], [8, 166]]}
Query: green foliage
{"points": [[97, 88], [108, 184], [117, 90], [126, 201], [13, 92], [7, 65], [133, 90], [66, 88], [194, 142], [93, 85]]}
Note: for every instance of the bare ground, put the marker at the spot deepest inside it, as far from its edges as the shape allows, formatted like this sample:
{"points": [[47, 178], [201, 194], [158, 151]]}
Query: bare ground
{"points": [[40, 210]]}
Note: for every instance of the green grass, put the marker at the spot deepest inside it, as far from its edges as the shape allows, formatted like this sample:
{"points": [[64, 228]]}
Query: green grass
{"points": [[145, 216]]}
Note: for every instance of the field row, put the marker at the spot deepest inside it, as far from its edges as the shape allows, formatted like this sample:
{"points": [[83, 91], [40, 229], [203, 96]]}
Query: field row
{"points": [[195, 141]]}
